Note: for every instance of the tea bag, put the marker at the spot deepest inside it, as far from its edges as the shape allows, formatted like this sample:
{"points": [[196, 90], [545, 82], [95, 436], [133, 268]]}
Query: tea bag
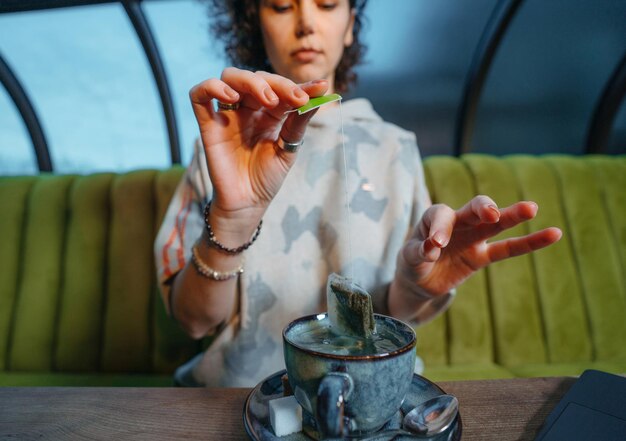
{"points": [[349, 308]]}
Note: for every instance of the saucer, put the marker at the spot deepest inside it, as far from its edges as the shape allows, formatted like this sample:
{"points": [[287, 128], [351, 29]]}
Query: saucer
{"points": [[256, 417]]}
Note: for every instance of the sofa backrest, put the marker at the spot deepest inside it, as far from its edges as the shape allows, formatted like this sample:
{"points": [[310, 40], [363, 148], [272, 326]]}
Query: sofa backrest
{"points": [[78, 291], [565, 303], [77, 286]]}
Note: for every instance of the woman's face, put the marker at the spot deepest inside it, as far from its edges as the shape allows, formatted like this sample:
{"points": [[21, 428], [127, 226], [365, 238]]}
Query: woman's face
{"points": [[305, 39]]}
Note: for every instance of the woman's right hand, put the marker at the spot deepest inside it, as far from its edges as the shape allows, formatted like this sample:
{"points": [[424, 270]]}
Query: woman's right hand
{"points": [[246, 166]]}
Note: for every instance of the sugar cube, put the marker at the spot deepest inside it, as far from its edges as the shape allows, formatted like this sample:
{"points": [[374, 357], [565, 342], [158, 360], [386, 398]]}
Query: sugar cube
{"points": [[285, 415]]}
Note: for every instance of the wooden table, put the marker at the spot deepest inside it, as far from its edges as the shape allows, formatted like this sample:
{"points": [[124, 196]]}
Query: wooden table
{"points": [[491, 410]]}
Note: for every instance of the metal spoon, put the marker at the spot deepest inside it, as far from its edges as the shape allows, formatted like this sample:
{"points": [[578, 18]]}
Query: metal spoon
{"points": [[430, 418], [433, 416]]}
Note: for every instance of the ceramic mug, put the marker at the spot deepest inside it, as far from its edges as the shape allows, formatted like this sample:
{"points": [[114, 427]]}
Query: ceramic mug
{"points": [[349, 395]]}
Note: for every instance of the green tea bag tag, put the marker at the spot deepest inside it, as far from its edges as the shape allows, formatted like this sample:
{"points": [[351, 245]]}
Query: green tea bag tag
{"points": [[349, 308], [316, 102]]}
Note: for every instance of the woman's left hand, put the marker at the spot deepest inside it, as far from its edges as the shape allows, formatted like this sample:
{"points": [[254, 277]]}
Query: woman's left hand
{"points": [[448, 246]]}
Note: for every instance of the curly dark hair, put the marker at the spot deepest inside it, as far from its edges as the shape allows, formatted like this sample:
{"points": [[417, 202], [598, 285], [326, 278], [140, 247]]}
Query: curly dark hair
{"points": [[237, 24]]}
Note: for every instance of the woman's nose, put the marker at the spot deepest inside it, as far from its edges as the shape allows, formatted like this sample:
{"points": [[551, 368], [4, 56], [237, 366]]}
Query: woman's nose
{"points": [[306, 20]]}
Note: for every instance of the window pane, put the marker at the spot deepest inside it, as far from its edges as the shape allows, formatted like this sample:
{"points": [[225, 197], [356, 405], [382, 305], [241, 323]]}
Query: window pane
{"points": [[90, 81], [181, 31], [17, 155], [419, 55], [92, 86], [548, 75]]}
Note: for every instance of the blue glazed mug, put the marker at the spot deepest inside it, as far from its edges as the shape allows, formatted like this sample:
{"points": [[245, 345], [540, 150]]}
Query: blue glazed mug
{"points": [[343, 394]]}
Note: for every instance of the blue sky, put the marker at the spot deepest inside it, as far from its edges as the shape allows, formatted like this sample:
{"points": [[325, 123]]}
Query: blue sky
{"points": [[89, 79], [92, 87]]}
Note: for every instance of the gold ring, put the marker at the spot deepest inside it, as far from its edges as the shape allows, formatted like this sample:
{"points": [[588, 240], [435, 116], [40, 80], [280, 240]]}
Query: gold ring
{"points": [[290, 147], [226, 106]]}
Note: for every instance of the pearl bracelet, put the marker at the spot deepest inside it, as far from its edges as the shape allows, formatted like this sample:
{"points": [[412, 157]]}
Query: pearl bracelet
{"points": [[210, 273]]}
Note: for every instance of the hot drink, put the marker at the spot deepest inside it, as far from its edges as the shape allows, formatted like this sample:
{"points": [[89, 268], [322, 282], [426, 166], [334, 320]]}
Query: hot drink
{"points": [[348, 385], [319, 336]]}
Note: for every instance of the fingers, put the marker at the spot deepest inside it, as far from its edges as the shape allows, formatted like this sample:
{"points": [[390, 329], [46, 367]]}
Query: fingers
{"points": [[469, 228], [432, 234], [517, 246], [477, 221], [295, 125], [263, 89], [437, 224], [203, 94], [517, 213], [254, 90], [291, 95], [509, 218], [481, 209], [315, 88]]}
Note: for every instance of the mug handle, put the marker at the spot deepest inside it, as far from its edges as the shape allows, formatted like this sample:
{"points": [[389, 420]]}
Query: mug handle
{"points": [[332, 394]]}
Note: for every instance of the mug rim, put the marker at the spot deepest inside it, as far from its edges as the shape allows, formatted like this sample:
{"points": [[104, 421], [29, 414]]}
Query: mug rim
{"points": [[401, 350]]}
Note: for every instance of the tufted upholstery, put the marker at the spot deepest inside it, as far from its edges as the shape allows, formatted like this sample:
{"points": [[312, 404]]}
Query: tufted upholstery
{"points": [[79, 303], [78, 293], [557, 311]]}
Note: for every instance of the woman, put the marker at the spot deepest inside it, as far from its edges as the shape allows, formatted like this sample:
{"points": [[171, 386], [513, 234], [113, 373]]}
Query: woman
{"points": [[252, 165]]}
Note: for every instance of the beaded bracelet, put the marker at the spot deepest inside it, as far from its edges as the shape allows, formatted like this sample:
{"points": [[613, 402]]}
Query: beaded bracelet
{"points": [[210, 273], [217, 244]]}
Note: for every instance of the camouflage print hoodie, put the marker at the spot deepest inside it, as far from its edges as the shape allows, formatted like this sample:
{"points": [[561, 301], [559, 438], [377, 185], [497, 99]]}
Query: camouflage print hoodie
{"points": [[305, 237]]}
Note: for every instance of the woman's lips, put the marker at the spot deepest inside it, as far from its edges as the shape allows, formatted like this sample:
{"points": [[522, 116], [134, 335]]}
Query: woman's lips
{"points": [[305, 55]]}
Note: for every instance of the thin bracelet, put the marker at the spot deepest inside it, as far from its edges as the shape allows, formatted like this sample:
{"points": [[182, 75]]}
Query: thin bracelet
{"points": [[210, 273], [217, 244]]}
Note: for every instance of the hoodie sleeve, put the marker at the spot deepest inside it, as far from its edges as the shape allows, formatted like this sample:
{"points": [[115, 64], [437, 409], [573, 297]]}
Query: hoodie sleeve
{"points": [[182, 224]]}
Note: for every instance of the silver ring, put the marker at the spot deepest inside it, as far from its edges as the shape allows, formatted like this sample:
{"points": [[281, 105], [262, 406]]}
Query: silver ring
{"points": [[291, 147], [226, 106]]}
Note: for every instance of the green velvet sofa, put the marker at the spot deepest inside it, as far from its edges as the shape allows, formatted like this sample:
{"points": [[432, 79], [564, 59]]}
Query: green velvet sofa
{"points": [[79, 302]]}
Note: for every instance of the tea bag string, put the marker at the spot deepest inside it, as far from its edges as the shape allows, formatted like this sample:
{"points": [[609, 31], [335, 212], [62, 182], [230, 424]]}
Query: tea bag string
{"points": [[346, 194]]}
